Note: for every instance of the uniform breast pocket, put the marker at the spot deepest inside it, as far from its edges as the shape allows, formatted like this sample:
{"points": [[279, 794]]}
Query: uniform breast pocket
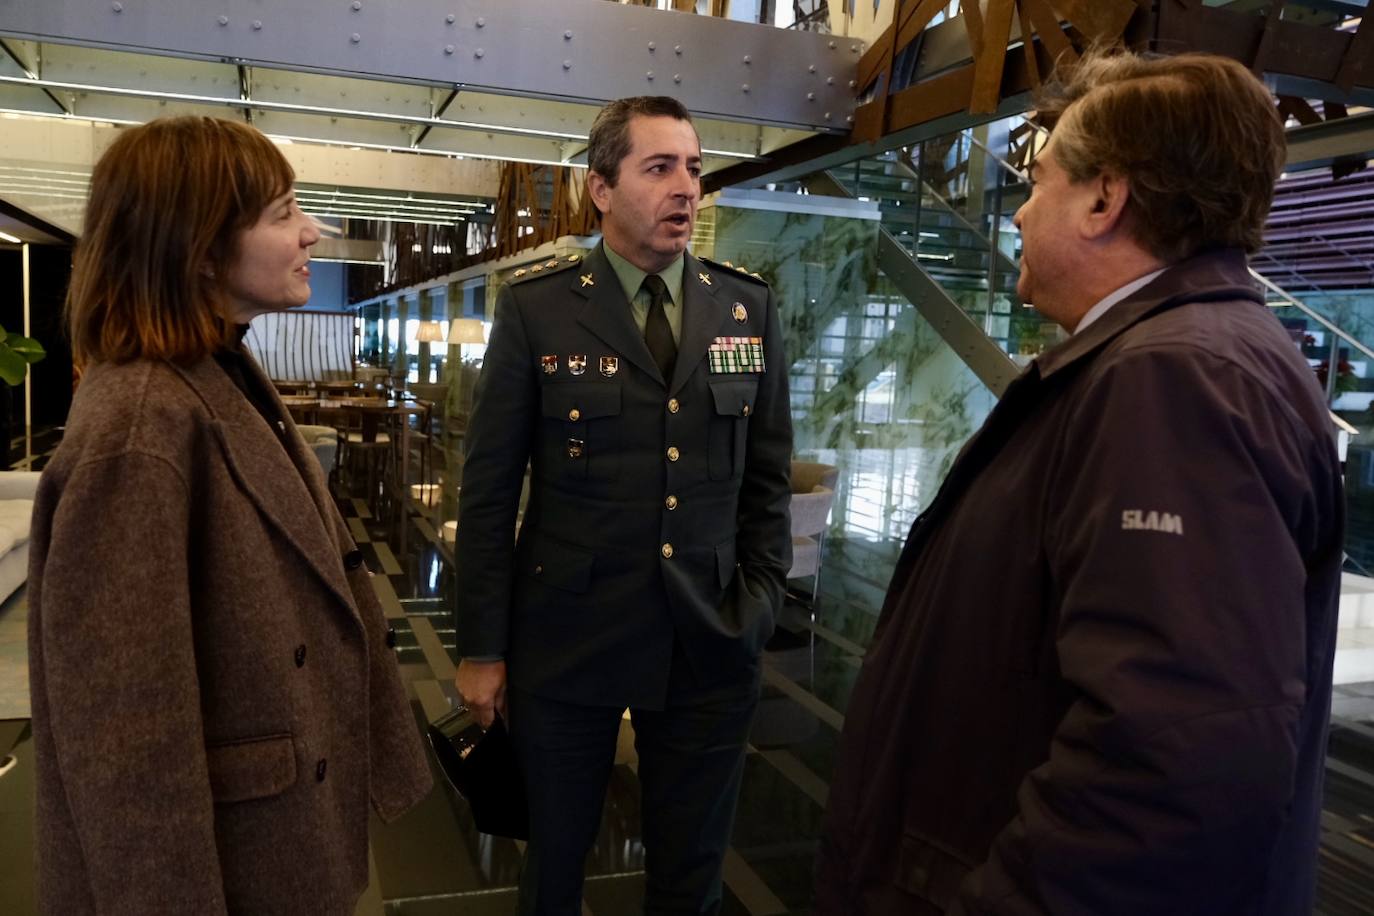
{"points": [[733, 402], [581, 431]]}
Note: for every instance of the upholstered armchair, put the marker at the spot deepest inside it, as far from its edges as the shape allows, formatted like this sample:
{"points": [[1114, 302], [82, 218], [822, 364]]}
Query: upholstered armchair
{"points": [[324, 441], [813, 494]]}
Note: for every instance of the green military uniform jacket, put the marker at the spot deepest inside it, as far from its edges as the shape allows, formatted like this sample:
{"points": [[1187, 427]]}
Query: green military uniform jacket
{"points": [[658, 508]]}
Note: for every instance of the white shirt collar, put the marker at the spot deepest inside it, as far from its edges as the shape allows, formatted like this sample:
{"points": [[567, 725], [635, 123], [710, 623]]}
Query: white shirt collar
{"points": [[1111, 299]]}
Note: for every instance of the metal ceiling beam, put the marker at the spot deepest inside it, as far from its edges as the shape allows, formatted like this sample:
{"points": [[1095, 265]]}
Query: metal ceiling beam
{"points": [[585, 51], [1316, 145], [62, 144]]}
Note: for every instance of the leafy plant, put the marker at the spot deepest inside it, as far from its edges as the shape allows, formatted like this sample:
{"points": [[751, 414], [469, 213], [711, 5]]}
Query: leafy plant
{"points": [[16, 353]]}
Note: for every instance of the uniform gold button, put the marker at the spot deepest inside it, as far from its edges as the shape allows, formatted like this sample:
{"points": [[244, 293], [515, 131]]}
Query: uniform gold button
{"points": [[673, 405], [667, 551], [671, 502], [538, 570], [746, 410], [576, 414], [673, 453]]}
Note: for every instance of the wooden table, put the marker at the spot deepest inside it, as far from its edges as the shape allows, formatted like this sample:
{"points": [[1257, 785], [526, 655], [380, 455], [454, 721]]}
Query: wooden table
{"points": [[373, 411]]}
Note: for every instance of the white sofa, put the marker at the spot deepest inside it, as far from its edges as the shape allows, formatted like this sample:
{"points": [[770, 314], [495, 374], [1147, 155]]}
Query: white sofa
{"points": [[324, 440], [17, 489]]}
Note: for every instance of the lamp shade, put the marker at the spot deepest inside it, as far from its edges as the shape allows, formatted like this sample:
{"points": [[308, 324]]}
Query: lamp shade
{"points": [[466, 331], [430, 331]]}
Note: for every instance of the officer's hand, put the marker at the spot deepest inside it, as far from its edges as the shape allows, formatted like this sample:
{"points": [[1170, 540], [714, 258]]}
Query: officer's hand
{"points": [[482, 685]]}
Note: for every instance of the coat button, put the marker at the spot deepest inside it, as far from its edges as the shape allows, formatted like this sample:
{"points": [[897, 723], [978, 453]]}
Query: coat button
{"points": [[319, 770], [574, 414], [673, 405], [745, 411], [391, 637], [300, 656], [673, 453], [539, 570], [671, 502], [667, 551], [353, 559]]}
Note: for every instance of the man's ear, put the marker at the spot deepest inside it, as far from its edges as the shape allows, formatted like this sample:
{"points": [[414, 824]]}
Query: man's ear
{"points": [[600, 190], [1108, 205]]}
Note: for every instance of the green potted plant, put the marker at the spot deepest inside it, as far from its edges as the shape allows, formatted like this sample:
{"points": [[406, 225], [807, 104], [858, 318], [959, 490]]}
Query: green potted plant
{"points": [[17, 352]]}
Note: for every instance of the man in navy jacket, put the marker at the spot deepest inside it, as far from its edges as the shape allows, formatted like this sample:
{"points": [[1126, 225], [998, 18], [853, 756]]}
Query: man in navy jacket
{"points": [[1101, 678]]}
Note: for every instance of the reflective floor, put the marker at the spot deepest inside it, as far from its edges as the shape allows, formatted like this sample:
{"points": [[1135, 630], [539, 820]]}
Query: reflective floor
{"points": [[433, 861]]}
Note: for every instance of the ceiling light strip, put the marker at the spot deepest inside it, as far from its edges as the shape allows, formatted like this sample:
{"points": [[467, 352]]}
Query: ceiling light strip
{"points": [[414, 200], [308, 207], [296, 108], [434, 211], [385, 219], [287, 107]]}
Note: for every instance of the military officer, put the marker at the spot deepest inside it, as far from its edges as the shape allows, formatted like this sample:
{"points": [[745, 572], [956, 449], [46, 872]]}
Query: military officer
{"points": [[647, 391]]}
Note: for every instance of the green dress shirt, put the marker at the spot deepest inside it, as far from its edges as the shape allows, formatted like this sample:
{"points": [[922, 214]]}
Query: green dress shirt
{"points": [[632, 280]]}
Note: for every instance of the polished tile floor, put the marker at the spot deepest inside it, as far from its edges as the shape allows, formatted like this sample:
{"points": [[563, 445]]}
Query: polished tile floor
{"points": [[433, 861]]}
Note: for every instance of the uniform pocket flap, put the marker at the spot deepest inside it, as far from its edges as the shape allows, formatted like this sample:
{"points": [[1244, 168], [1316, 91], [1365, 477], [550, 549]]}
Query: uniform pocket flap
{"points": [[725, 562], [930, 871], [563, 566], [251, 768], [590, 401], [735, 398]]}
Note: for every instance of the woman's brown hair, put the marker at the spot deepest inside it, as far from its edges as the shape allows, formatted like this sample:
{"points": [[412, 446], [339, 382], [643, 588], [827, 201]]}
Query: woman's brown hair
{"points": [[167, 202]]}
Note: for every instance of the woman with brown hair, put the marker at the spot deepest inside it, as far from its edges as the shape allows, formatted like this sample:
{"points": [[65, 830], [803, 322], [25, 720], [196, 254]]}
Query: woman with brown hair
{"points": [[214, 701]]}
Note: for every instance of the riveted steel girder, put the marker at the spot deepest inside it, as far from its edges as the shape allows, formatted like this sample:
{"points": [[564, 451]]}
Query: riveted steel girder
{"points": [[586, 51]]}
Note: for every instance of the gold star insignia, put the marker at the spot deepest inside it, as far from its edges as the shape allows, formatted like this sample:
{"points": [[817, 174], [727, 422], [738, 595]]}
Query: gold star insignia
{"points": [[727, 263], [704, 278], [521, 272], [587, 280], [536, 268], [552, 263]]}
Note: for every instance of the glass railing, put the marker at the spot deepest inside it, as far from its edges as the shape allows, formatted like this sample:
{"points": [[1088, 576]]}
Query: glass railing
{"points": [[950, 202]]}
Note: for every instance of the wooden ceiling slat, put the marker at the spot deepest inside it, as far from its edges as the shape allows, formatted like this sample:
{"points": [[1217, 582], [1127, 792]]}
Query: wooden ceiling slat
{"points": [[991, 58]]}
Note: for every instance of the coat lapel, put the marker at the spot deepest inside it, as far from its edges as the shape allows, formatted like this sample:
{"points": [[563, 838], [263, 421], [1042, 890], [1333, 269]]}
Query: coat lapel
{"points": [[276, 478], [701, 318], [607, 315]]}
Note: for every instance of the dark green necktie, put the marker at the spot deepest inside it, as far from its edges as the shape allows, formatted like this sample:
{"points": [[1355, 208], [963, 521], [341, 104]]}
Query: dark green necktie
{"points": [[657, 334]]}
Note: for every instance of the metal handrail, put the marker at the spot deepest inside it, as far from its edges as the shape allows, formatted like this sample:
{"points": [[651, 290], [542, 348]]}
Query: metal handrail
{"points": [[1310, 312], [1020, 175]]}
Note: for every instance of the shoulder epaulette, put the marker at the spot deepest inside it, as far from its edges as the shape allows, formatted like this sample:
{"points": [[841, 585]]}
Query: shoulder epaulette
{"points": [[547, 268], [736, 270]]}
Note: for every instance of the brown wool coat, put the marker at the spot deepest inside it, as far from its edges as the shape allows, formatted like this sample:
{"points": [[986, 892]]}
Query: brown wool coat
{"points": [[214, 704]]}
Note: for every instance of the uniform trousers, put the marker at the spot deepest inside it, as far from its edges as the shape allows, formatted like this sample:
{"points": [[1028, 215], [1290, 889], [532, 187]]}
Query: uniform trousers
{"points": [[691, 761]]}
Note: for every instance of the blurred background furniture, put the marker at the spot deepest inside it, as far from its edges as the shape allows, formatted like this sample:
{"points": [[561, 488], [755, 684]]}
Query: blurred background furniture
{"points": [[324, 441], [813, 493], [17, 489]]}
